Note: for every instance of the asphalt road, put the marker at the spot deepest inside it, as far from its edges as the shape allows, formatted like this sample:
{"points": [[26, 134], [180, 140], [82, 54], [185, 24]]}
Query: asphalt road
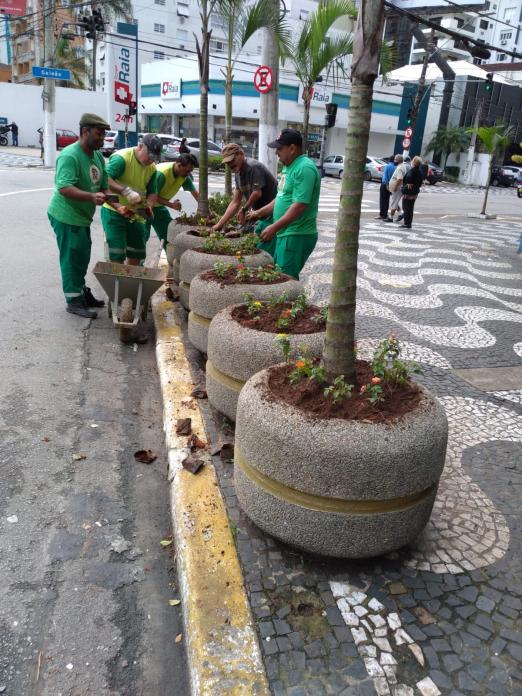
{"points": [[84, 582]]}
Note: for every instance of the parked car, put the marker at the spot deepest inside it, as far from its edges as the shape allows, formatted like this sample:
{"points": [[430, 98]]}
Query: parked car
{"points": [[333, 165], [64, 138], [172, 150], [435, 173], [503, 176], [374, 168], [110, 143]]}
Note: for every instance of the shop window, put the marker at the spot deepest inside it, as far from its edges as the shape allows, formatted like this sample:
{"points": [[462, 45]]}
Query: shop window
{"points": [[159, 28]]}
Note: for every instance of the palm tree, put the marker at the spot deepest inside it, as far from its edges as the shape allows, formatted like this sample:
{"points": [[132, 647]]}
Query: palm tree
{"points": [[449, 139], [76, 60], [338, 355], [494, 140], [241, 23], [315, 51]]}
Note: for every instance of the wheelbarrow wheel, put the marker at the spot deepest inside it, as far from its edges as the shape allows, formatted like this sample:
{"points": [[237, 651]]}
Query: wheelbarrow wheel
{"points": [[126, 315]]}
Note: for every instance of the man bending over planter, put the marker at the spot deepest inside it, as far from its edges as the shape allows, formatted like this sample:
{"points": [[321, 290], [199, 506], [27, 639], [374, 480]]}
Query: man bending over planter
{"points": [[294, 209], [255, 183], [170, 178]]}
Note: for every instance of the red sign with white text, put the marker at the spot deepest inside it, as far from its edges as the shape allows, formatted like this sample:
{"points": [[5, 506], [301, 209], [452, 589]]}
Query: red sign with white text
{"points": [[17, 8]]}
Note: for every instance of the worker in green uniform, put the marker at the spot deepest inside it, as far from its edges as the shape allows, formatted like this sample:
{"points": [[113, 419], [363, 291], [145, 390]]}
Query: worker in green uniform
{"points": [[295, 207], [81, 183], [171, 177], [134, 178]]}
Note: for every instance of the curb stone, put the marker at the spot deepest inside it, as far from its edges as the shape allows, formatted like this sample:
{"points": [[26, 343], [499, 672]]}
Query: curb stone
{"points": [[223, 653]]}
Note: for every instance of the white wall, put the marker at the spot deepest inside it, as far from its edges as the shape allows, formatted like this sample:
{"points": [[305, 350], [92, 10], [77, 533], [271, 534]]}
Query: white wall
{"points": [[23, 104]]}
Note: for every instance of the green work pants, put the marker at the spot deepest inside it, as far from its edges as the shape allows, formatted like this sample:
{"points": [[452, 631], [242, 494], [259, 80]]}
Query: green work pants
{"points": [[126, 238], [258, 229], [292, 252], [74, 245], [160, 222]]}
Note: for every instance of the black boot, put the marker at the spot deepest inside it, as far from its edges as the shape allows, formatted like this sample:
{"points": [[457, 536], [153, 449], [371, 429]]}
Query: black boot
{"points": [[90, 300], [78, 306]]}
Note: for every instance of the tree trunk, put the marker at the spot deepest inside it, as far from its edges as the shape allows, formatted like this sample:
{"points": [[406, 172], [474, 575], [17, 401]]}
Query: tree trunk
{"points": [[306, 119], [94, 50], [228, 125], [483, 212], [338, 355], [203, 61]]}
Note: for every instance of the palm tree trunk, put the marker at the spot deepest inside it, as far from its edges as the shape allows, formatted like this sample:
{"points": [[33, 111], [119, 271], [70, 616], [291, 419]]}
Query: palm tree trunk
{"points": [[338, 354], [306, 119], [483, 212], [203, 59], [228, 126]]}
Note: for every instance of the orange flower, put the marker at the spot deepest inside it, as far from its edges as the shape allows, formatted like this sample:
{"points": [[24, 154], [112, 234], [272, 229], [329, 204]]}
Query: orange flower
{"points": [[286, 313], [362, 389], [241, 266], [376, 380], [300, 364]]}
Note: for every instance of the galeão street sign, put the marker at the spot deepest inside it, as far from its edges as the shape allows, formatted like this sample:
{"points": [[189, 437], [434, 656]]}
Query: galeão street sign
{"points": [[51, 73], [263, 79]]}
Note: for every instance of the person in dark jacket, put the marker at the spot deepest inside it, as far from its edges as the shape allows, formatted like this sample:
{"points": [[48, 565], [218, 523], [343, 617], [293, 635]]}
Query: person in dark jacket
{"points": [[411, 185], [14, 134], [183, 147]]}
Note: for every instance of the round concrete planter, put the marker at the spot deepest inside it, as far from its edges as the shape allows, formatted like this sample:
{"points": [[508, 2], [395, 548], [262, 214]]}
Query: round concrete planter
{"points": [[194, 262], [208, 297], [181, 241], [340, 488], [235, 353]]}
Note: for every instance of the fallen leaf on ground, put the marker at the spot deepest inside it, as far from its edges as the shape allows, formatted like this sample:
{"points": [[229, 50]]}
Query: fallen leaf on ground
{"points": [[192, 464], [166, 542], [220, 446], [189, 402], [199, 393], [194, 442], [227, 451], [145, 456], [178, 638], [174, 602], [184, 426], [77, 457], [45, 439]]}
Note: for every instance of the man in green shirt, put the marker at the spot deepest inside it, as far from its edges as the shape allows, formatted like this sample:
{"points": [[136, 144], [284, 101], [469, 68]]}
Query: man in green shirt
{"points": [[134, 178], [295, 207], [171, 177], [81, 184]]}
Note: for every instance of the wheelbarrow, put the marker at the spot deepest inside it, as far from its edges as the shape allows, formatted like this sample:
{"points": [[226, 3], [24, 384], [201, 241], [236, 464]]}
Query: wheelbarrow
{"points": [[129, 289]]}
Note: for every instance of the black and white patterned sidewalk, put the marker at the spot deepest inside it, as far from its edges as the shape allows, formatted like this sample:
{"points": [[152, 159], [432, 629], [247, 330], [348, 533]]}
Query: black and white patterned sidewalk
{"points": [[10, 160]]}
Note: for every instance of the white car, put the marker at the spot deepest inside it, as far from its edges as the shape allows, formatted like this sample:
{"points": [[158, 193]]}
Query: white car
{"points": [[172, 150], [334, 166], [110, 143]]}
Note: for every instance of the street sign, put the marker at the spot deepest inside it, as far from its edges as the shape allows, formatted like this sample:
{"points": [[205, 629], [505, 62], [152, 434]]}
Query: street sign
{"points": [[263, 79], [406, 143], [408, 132], [51, 73], [15, 8]]}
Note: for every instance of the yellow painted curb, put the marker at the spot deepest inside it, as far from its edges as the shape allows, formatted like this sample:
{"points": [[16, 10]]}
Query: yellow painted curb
{"points": [[224, 657]]}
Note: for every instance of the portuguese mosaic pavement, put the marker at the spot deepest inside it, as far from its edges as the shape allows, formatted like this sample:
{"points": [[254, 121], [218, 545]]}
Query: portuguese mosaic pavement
{"points": [[442, 616]]}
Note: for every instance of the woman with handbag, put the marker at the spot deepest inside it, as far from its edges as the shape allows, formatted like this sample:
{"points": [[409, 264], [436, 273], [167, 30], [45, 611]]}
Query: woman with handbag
{"points": [[411, 184]]}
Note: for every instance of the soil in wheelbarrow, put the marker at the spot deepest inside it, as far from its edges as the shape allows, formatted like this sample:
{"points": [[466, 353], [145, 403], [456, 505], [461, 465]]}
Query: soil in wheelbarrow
{"points": [[308, 396], [230, 277], [268, 319]]}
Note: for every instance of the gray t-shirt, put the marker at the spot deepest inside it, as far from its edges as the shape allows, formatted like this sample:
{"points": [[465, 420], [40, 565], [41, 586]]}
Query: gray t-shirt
{"points": [[255, 175]]}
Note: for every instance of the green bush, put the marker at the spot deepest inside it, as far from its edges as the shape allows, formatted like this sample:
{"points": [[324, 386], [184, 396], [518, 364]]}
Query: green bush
{"points": [[218, 203], [452, 172], [452, 179], [215, 164]]}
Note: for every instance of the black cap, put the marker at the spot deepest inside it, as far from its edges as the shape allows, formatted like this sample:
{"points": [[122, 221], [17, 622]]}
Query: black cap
{"points": [[153, 144], [288, 136]]}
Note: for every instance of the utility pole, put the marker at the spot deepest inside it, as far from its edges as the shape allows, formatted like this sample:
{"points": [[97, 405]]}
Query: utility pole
{"points": [[420, 89], [269, 102], [471, 149], [49, 90]]}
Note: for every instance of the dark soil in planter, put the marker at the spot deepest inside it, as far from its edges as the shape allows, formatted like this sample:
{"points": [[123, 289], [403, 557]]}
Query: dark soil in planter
{"points": [[220, 253], [307, 395], [208, 231], [229, 278], [267, 318], [196, 220]]}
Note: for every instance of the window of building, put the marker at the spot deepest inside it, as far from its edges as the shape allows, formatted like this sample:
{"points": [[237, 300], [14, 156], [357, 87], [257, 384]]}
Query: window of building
{"points": [[217, 20], [484, 24], [303, 14], [183, 9], [505, 35], [159, 2], [501, 57], [181, 34], [159, 55], [217, 46], [159, 28], [509, 14]]}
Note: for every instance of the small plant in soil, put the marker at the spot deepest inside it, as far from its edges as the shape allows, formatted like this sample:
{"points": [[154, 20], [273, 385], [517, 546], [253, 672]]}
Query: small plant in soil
{"points": [[221, 268], [217, 244], [195, 219], [277, 315], [269, 273]]}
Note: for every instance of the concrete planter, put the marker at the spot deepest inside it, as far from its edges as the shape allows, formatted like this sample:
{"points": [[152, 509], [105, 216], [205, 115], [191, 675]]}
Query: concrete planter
{"points": [[194, 262], [208, 297], [182, 239], [339, 488], [235, 353]]}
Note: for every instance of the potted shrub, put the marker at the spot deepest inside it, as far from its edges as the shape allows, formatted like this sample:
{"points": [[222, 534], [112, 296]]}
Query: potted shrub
{"points": [[226, 284], [338, 456], [246, 338], [217, 249]]}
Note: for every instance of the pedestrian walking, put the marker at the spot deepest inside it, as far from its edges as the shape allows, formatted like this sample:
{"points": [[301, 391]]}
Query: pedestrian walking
{"points": [[81, 183], [40, 141], [183, 147], [133, 177], [14, 134], [395, 187], [171, 177], [295, 207], [384, 191], [255, 187], [412, 182]]}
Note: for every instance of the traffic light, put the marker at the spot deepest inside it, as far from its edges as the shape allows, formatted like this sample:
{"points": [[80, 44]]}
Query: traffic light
{"points": [[99, 24], [489, 82], [331, 110], [87, 24], [132, 108], [409, 116]]}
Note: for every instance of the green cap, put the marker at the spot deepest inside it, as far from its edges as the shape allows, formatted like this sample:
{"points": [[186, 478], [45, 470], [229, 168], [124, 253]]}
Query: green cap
{"points": [[94, 120]]}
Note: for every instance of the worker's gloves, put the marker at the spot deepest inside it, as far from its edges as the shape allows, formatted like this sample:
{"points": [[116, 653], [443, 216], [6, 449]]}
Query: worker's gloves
{"points": [[132, 196]]}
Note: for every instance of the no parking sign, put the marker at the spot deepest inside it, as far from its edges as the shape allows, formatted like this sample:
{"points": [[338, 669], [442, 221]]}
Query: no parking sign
{"points": [[263, 79]]}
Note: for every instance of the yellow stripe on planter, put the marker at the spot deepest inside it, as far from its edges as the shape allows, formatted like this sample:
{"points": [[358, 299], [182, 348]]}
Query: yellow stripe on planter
{"points": [[323, 504], [226, 380], [199, 319]]}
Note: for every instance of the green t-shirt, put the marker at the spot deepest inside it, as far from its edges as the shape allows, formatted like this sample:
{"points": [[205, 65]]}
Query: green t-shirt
{"points": [[74, 167], [300, 182], [169, 184]]}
